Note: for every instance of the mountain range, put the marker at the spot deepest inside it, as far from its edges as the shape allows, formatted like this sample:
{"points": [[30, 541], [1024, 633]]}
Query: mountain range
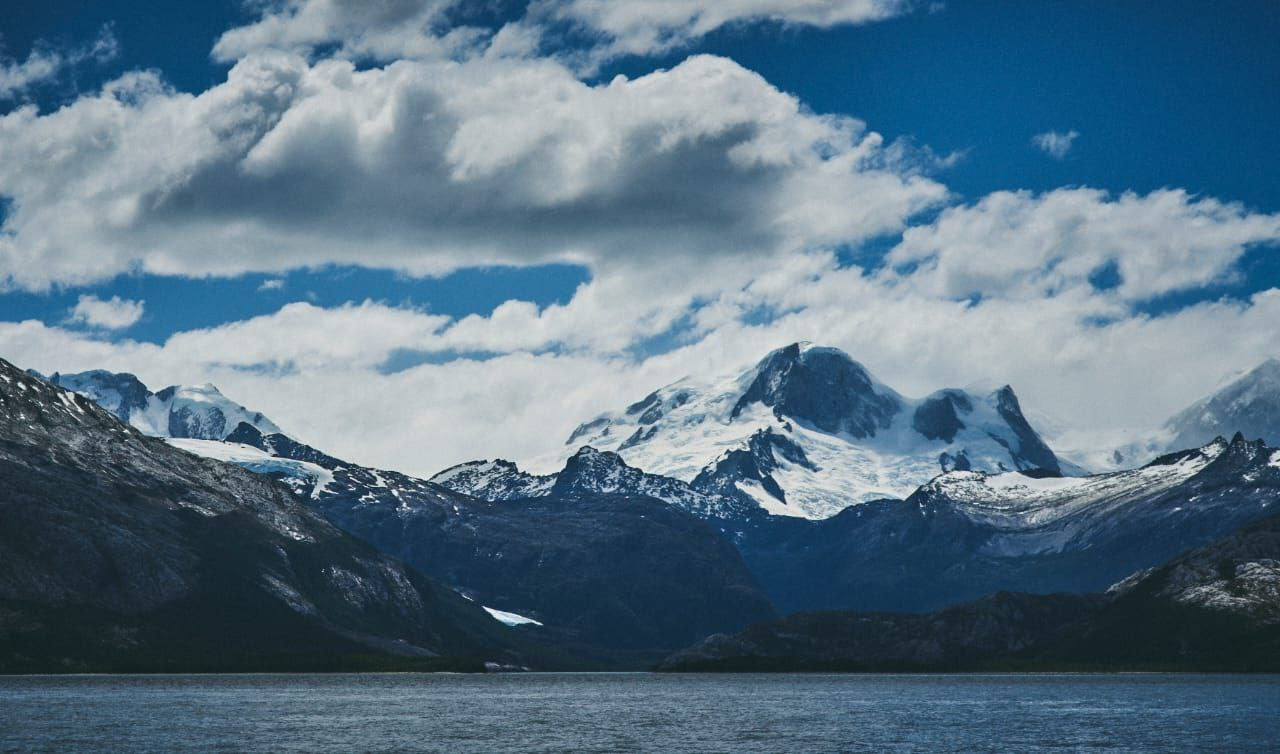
{"points": [[967, 534], [612, 568], [1214, 608], [801, 484]]}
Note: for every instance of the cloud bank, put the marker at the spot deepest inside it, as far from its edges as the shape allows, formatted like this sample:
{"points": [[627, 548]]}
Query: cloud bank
{"points": [[428, 167], [714, 211]]}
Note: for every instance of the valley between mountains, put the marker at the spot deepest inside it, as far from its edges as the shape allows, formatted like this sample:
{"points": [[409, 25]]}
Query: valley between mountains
{"points": [[798, 514]]}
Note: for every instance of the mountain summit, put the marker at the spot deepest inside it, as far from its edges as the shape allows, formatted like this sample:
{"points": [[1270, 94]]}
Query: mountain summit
{"points": [[809, 431], [1250, 405], [198, 412]]}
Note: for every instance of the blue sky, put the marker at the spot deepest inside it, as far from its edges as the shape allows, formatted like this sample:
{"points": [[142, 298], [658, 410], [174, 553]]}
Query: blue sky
{"points": [[846, 172]]}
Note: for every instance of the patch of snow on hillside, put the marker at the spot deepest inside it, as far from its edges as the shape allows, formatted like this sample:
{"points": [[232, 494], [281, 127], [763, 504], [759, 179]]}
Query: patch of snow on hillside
{"points": [[1254, 589], [1045, 484], [257, 461], [510, 619]]}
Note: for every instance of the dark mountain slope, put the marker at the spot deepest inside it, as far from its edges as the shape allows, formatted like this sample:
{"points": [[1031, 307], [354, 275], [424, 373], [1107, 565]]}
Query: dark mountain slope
{"points": [[963, 637], [119, 551], [603, 571], [1214, 608]]}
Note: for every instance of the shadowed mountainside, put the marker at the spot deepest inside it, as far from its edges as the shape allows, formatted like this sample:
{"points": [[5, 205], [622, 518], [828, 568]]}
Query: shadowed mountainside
{"points": [[120, 552]]}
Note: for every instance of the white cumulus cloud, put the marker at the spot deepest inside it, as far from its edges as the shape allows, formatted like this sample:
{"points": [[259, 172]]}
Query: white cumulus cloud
{"points": [[1054, 143], [1028, 246], [114, 313], [427, 167], [46, 62], [643, 27]]}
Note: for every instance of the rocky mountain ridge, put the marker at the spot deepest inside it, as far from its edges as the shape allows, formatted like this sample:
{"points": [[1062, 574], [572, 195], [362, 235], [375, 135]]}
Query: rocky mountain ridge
{"points": [[118, 551], [605, 569], [968, 534]]}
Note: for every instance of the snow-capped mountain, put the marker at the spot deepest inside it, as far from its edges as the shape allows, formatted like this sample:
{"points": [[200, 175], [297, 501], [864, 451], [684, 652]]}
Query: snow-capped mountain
{"points": [[494, 480], [520, 542], [966, 534], [190, 411], [1250, 404], [809, 431], [588, 471]]}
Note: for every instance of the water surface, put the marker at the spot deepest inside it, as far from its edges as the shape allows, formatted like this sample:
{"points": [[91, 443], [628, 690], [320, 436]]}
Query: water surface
{"points": [[622, 712]]}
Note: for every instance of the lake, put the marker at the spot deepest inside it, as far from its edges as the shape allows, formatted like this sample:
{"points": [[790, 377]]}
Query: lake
{"points": [[619, 712]]}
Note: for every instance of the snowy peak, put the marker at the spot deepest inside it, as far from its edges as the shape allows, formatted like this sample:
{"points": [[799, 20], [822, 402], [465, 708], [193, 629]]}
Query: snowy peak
{"points": [[495, 480], [1250, 404], [1220, 473], [589, 471], [199, 412], [203, 412], [1027, 501], [1030, 452], [823, 387], [122, 394], [809, 431]]}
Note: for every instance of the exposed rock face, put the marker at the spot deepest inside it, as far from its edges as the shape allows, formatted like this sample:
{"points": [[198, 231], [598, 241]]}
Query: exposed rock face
{"points": [[937, 417], [117, 550], [824, 387], [766, 452], [1030, 447]]}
